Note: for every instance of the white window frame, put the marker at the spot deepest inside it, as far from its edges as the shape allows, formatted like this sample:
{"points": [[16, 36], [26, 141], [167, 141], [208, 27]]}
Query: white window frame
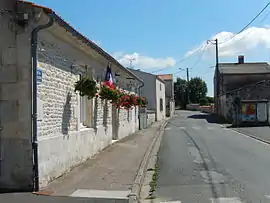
{"points": [[82, 110]]}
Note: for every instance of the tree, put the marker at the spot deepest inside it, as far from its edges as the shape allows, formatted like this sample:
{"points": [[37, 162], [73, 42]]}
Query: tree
{"points": [[180, 87], [203, 101], [197, 89], [210, 100]]}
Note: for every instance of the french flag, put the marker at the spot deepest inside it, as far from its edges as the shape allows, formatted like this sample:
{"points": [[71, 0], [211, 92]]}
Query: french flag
{"points": [[109, 77]]}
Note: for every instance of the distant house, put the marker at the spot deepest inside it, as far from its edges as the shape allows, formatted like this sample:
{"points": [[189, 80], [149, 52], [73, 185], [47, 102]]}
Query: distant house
{"points": [[154, 91], [169, 93], [232, 76]]}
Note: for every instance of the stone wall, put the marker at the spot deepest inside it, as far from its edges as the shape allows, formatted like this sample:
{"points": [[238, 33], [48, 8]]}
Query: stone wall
{"points": [[151, 117], [128, 122], [257, 91], [16, 161]]}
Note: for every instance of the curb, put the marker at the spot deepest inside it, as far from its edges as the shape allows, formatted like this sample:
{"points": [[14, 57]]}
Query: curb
{"points": [[252, 136], [136, 187]]}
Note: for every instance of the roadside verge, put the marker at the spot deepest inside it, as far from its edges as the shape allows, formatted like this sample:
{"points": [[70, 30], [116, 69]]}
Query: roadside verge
{"points": [[147, 168]]}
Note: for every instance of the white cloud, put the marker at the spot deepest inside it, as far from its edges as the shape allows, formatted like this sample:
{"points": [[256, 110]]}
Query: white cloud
{"points": [[242, 43], [142, 61]]}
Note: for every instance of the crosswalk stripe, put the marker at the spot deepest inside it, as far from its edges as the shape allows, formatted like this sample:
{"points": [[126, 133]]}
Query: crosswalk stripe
{"points": [[226, 200], [214, 200], [112, 194]]}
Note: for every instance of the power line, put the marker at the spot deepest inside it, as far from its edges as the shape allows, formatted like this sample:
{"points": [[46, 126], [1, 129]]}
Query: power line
{"points": [[180, 61], [204, 45], [250, 22], [200, 57]]}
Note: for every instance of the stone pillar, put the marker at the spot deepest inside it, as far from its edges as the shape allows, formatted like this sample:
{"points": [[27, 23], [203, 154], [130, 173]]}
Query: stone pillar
{"points": [[16, 165]]}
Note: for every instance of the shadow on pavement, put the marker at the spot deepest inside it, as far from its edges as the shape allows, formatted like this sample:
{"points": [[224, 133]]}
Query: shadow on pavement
{"points": [[210, 118]]}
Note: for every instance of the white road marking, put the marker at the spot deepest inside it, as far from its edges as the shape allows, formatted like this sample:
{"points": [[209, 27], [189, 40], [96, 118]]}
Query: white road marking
{"points": [[171, 202], [213, 177], [210, 128], [226, 200], [112, 194], [249, 137], [267, 196], [183, 128], [196, 127]]}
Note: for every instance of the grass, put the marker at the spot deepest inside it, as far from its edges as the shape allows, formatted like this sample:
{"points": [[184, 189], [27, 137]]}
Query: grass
{"points": [[153, 183]]}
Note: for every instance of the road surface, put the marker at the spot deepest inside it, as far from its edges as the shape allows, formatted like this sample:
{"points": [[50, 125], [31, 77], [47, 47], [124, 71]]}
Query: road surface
{"points": [[201, 161]]}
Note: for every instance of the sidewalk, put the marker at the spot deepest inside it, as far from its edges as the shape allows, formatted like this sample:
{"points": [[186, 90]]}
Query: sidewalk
{"points": [[261, 133], [113, 169]]}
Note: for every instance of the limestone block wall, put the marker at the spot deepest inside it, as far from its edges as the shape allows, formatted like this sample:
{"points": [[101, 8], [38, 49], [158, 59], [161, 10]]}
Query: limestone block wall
{"points": [[16, 161]]}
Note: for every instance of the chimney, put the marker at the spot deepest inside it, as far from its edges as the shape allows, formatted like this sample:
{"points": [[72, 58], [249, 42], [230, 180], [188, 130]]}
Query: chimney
{"points": [[241, 59]]}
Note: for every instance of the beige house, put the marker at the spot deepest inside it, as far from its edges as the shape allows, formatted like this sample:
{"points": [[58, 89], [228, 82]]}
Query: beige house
{"points": [[156, 99], [45, 127], [169, 93]]}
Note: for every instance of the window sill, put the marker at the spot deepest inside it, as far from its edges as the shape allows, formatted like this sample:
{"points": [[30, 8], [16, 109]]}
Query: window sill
{"points": [[84, 128]]}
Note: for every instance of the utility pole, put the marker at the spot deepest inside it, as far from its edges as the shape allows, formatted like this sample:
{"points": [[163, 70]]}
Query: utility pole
{"points": [[217, 79], [187, 87], [216, 43], [187, 90], [187, 75]]}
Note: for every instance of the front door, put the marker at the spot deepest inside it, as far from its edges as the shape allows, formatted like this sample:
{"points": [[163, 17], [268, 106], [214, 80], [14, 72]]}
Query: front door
{"points": [[115, 123], [262, 112]]}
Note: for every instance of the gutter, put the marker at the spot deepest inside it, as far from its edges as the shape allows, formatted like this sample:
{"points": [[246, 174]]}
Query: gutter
{"points": [[34, 38], [139, 116]]}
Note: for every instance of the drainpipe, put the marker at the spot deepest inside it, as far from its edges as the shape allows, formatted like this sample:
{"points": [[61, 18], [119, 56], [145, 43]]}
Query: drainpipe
{"points": [[141, 86], [34, 38]]}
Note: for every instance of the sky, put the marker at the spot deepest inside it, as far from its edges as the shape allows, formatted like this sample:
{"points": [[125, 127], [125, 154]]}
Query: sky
{"points": [[159, 34]]}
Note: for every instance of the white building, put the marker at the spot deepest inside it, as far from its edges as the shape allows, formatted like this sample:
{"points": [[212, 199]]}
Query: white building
{"points": [[169, 93], [154, 91], [46, 129]]}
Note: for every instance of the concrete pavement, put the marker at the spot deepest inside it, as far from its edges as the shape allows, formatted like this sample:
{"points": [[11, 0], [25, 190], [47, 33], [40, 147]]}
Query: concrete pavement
{"points": [[201, 161], [107, 177]]}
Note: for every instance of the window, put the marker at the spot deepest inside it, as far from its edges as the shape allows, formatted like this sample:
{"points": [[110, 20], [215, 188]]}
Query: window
{"points": [[83, 112], [86, 106], [161, 104], [160, 86]]}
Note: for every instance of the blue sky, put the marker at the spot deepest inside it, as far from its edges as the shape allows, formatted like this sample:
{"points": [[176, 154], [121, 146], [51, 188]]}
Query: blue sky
{"points": [[159, 33]]}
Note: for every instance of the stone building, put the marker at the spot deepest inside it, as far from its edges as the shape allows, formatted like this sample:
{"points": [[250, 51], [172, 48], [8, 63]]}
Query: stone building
{"points": [[45, 127], [231, 76]]}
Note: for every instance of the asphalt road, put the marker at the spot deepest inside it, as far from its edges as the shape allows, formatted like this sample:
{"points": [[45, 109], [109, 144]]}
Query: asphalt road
{"points": [[201, 161]]}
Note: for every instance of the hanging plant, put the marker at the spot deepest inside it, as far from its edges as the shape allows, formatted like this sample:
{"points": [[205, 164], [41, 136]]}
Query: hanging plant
{"points": [[86, 87], [109, 93], [127, 101], [141, 101]]}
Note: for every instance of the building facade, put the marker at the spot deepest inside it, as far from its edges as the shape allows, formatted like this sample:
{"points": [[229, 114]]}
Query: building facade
{"points": [[169, 93], [231, 76], [45, 127], [156, 99]]}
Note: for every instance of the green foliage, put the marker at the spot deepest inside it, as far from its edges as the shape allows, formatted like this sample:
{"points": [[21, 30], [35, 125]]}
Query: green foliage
{"points": [[210, 100], [180, 87], [197, 89], [109, 93], [86, 87], [204, 101]]}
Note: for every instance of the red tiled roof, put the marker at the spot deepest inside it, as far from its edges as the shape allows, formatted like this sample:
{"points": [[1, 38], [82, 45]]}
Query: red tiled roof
{"points": [[37, 6], [166, 76]]}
